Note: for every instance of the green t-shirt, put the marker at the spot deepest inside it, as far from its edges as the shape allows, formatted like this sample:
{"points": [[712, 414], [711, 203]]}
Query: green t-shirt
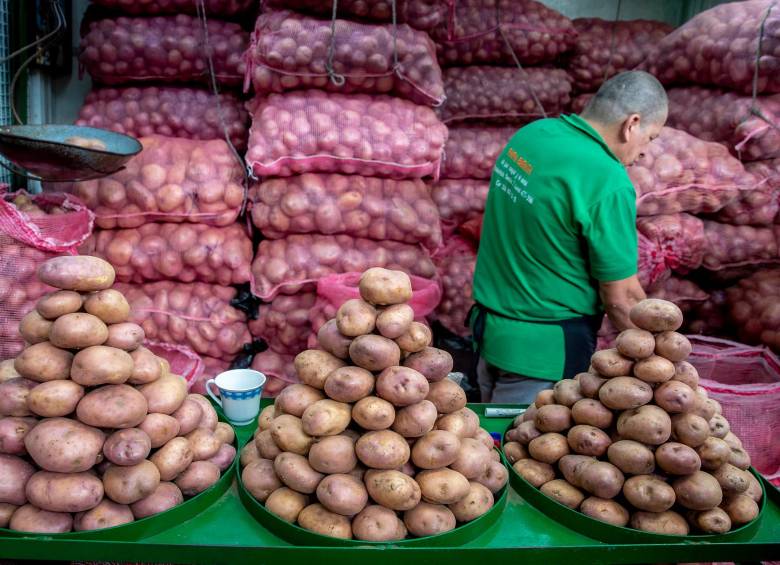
{"points": [[560, 217]]}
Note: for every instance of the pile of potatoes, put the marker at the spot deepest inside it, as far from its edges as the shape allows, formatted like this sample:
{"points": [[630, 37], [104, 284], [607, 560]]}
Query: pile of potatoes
{"points": [[95, 431], [458, 201], [472, 150], [635, 440], [734, 246], [375, 443], [218, 8]]}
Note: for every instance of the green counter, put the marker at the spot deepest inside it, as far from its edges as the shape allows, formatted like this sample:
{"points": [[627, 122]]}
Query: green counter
{"points": [[227, 533]]}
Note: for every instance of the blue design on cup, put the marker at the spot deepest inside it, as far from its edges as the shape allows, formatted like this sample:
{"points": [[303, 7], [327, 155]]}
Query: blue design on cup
{"points": [[240, 395]]}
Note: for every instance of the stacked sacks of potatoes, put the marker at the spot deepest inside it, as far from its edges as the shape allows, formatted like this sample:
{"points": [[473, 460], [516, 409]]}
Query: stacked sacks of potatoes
{"points": [[635, 440], [95, 431], [375, 443]]}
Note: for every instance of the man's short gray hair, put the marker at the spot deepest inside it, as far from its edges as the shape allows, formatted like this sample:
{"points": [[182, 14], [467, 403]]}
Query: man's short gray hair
{"points": [[631, 92]]}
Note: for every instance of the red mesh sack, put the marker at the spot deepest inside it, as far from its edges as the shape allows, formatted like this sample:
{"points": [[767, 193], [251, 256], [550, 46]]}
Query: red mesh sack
{"points": [[211, 368], [285, 265], [455, 264], [290, 51], [767, 172], [197, 315], [420, 14], [219, 8], [191, 113], [535, 33], [183, 360], [710, 317], [680, 237], [750, 130], [459, 201], [578, 103], [679, 173], [285, 322], [504, 94], [178, 252], [171, 180], [757, 207], [472, 229], [746, 383], [605, 48], [164, 48], [686, 294], [754, 308], [736, 246], [472, 150], [33, 229], [278, 370], [718, 47], [374, 208], [651, 263], [315, 131]]}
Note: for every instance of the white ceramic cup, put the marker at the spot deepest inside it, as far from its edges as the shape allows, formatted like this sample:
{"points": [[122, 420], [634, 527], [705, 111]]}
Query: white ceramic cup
{"points": [[239, 394]]}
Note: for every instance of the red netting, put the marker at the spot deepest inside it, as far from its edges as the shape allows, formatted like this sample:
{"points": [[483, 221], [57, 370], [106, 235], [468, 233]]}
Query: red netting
{"points": [[578, 103], [686, 294], [472, 150], [759, 206], [710, 317], [219, 8], [735, 246], [768, 170], [754, 308], [178, 252], [746, 382], [290, 51], [651, 263], [278, 369], [211, 368], [719, 47], [171, 180], [459, 201], [197, 315], [504, 94], [315, 131], [286, 265], [537, 34], [33, 228], [605, 48], [679, 173], [183, 360], [191, 113], [680, 237], [285, 322], [455, 264], [374, 208]]}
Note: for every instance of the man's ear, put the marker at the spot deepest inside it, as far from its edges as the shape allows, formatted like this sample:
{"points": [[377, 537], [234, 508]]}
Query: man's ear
{"points": [[630, 127]]}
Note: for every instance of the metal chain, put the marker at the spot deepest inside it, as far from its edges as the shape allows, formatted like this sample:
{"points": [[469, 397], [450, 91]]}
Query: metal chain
{"points": [[335, 78]]}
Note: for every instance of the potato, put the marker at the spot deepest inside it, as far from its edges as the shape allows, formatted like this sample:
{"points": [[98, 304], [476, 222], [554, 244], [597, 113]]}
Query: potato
{"points": [[34, 328], [383, 449], [553, 418], [524, 433], [295, 472], [535, 472], [7, 510], [54, 398], [698, 491], [646, 424], [313, 367], [43, 362], [78, 331], [331, 340], [604, 510], [631, 457], [326, 418], [126, 485], [585, 440], [266, 446], [112, 406], [188, 415], [402, 386], [100, 364], [754, 490], [109, 305], [714, 521], [635, 344], [203, 443], [530, 413], [161, 428], [394, 321], [127, 336], [377, 523], [561, 491], [12, 433], [463, 423], [689, 429], [224, 433], [719, 426], [296, 398], [741, 509], [436, 449], [384, 287], [374, 353], [64, 492], [714, 453], [624, 393], [416, 338], [62, 445], [356, 317], [81, 272], [286, 503], [146, 367], [319, 520], [224, 457], [447, 396], [548, 447], [731, 479], [166, 394], [590, 384], [196, 478], [544, 397], [567, 392], [677, 459], [266, 417], [477, 502], [15, 472], [703, 407], [248, 454], [260, 479], [610, 363], [654, 369], [59, 303], [571, 466], [107, 514], [591, 412], [672, 346], [333, 454], [601, 479], [393, 489], [372, 413], [127, 447], [288, 433], [668, 523], [429, 519], [686, 373], [348, 384], [415, 420], [434, 364], [165, 496], [656, 315], [674, 397], [513, 452], [342, 494], [172, 458], [649, 493], [472, 459], [28, 518]]}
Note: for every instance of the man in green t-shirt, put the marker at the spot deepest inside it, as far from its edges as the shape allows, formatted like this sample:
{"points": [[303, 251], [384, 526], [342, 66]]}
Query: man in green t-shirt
{"points": [[559, 240]]}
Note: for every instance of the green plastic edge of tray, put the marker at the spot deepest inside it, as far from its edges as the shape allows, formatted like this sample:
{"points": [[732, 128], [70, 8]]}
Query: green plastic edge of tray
{"points": [[151, 525], [299, 536], [608, 533]]}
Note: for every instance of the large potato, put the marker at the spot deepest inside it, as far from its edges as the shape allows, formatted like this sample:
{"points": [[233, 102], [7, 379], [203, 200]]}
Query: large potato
{"points": [[686, 373], [78, 331], [690, 429], [585, 440], [477, 502], [161, 428], [563, 492], [416, 338], [656, 315], [326, 418], [535, 472], [224, 433], [698, 491], [402, 386], [296, 398], [15, 472], [567, 392], [318, 519], [553, 418], [649, 493], [54, 398], [356, 317], [672, 346], [674, 397], [677, 458], [34, 328], [624, 393], [610, 363], [591, 412], [668, 523], [429, 519], [13, 396], [348, 384], [127, 485], [495, 476], [109, 305], [12, 433], [286, 503], [64, 492], [342, 494], [393, 489], [383, 449], [127, 447], [249, 454], [331, 340], [203, 443], [719, 426], [287, 432], [732, 480], [172, 458], [28, 518], [739, 458], [188, 415], [295, 472], [741, 509], [713, 453], [447, 396], [635, 344], [548, 447], [372, 413], [512, 450], [605, 510], [313, 366], [196, 478], [601, 479], [415, 420], [166, 394], [43, 362], [7, 510], [394, 321], [646, 424], [715, 521], [107, 514], [572, 466], [260, 479], [333, 454], [266, 446], [100, 364], [377, 523], [82, 273], [126, 336], [384, 287], [473, 458], [112, 406], [524, 433], [654, 370], [62, 445], [266, 417], [59, 303], [590, 384], [374, 353], [463, 423], [146, 367], [631, 457], [436, 449], [434, 364]]}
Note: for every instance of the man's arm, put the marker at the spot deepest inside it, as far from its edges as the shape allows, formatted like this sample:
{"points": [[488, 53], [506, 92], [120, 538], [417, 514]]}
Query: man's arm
{"points": [[618, 298]]}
